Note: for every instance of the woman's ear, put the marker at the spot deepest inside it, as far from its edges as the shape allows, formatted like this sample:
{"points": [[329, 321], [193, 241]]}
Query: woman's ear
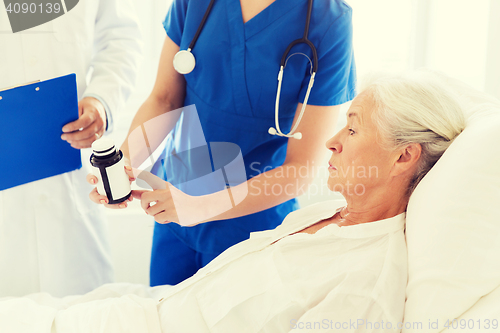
{"points": [[408, 158]]}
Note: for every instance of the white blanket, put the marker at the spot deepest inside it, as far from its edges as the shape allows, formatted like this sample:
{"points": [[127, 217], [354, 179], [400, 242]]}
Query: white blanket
{"points": [[111, 308]]}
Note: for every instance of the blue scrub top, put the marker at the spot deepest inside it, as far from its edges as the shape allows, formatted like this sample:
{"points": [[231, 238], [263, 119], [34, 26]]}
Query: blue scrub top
{"points": [[234, 84]]}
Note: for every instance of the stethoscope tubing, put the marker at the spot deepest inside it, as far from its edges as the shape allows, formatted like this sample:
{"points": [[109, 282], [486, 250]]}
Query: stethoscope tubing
{"points": [[305, 40], [202, 24], [274, 131]]}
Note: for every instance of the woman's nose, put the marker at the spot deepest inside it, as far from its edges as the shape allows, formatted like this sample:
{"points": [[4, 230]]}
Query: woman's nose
{"points": [[334, 144]]}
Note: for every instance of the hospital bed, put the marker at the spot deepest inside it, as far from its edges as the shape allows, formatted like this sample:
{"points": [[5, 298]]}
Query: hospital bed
{"points": [[453, 237]]}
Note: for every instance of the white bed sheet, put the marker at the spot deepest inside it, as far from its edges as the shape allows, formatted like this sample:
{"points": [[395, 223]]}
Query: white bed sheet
{"points": [[111, 308]]}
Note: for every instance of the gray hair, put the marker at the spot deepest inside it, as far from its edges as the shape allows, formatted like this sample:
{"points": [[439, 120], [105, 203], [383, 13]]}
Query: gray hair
{"points": [[417, 108]]}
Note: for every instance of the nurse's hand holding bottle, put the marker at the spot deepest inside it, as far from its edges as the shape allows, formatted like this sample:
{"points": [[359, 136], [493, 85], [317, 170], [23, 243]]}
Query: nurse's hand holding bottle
{"points": [[165, 201], [102, 199]]}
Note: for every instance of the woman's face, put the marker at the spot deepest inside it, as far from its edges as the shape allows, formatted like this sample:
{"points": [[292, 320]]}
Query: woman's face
{"points": [[358, 163]]}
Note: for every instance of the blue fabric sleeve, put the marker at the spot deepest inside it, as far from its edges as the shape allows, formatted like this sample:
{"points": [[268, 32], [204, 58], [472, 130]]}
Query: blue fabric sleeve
{"points": [[174, 21], [335, 81]]}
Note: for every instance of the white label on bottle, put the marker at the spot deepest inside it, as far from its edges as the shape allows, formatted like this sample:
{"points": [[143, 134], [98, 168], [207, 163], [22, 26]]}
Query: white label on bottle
{"points": [[119, 183]]}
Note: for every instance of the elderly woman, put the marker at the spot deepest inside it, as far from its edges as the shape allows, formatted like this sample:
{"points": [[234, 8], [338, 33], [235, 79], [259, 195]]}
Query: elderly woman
{"points": [[334, 265]]}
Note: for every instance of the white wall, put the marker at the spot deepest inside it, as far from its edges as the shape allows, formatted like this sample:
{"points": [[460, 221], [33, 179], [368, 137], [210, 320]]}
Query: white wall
{"points": [[492, 66], [458, 37]]}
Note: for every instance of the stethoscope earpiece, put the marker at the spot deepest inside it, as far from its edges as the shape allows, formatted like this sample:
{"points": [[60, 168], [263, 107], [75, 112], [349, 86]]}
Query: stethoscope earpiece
{"points": [[273, 131]]}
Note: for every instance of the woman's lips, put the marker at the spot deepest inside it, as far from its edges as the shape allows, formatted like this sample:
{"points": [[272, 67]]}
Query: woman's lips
{"points": [[331, 167]]}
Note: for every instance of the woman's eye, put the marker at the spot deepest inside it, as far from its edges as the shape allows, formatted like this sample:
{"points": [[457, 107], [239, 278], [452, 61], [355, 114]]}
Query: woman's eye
{"points": [[351, 131]]}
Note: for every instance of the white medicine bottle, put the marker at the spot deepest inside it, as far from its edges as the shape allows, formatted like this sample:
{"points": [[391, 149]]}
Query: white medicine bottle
{"points": [[108, 166]]}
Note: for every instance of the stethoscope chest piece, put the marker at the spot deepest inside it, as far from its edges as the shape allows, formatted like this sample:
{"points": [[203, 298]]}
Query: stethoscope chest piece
{"points": [[184, 61]]}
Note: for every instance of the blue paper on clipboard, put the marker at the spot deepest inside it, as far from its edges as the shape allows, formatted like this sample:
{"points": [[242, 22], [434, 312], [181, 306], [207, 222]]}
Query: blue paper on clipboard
{"points": [[31, 121]]}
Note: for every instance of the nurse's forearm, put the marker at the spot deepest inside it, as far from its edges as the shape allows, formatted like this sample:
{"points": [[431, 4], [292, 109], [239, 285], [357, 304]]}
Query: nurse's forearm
{"points": [[289, 181], [152, 123], [264, 191]]}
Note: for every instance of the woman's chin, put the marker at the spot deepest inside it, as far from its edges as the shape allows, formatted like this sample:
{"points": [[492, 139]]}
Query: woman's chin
{"points": [[334, 185]]}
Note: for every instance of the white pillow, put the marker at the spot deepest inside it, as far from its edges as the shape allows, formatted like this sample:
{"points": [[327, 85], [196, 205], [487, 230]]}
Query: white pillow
{"points": [[453, 230], [484, 316]]}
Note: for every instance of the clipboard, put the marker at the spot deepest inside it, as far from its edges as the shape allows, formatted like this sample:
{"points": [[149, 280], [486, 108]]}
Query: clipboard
{"points": [[31, 121]]}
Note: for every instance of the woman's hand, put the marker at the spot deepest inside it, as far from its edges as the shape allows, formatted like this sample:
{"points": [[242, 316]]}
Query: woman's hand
{"points": [[165, 202], [158, 204], [102, 199], [169, 204]]}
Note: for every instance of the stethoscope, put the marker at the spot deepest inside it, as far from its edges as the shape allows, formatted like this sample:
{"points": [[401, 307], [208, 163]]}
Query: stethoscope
{"points": [[184, 63]]}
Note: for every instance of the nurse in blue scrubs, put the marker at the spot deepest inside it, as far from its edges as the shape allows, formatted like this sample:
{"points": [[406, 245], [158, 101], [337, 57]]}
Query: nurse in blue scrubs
{"points": [[233, 87]]}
